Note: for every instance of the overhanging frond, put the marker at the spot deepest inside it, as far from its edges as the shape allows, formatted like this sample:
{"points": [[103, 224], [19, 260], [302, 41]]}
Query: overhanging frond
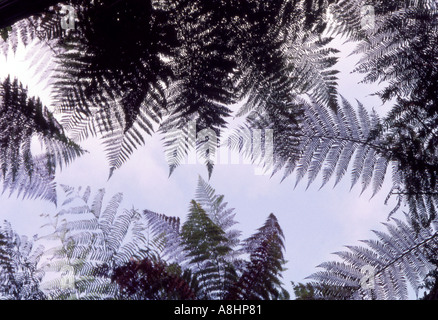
{"points": [[23, 120], [312, 140]]}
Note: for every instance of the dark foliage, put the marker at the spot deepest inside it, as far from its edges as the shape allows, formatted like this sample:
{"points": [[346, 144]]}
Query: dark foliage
{"points": [[259, 280], [22, 119], [132, 67], [211, 269], [19, 276], [151, 280]]}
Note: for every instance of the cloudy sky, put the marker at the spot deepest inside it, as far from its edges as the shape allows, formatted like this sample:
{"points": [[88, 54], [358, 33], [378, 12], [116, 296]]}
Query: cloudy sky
{"points": [[315, 222]]}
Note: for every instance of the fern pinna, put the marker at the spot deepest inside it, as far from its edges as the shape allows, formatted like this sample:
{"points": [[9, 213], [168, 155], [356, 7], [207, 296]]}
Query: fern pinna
{"points": [[259, 280]]}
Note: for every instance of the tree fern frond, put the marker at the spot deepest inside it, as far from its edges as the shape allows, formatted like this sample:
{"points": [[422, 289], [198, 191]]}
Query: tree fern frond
{"points": [[217, 210], [94, 237], [398, 259], [119, 98], [321, 141], [20, 276], [206, 247], [24, 119], [400, 44], [168, 229], [260, 277]]}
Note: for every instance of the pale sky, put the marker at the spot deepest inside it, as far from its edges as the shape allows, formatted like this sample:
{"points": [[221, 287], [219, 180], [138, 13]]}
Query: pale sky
{"points": [[315, 222]]}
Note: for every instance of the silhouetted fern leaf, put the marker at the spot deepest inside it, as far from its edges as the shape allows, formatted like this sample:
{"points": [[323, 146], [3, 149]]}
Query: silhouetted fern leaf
{"points": [[20, 276], [312, 140], [260, 279], [25, 119], [383, 269], [94, 237]]}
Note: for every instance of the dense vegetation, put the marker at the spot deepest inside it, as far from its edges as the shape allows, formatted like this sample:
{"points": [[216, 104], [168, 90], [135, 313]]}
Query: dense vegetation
{"points": [[133, 68]]}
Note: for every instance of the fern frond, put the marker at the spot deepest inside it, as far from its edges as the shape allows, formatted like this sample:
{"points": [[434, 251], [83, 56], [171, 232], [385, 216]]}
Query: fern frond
{"points": [[206, 247], [312, 140], [399, 259], [25, 119], [217, 210], [118, 98], [399, 49], [260, 279], [20, 276], [94, 237]]}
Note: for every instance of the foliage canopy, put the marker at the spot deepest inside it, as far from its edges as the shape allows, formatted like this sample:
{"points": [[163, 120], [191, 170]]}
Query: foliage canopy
{"points": [[135, 68]]}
